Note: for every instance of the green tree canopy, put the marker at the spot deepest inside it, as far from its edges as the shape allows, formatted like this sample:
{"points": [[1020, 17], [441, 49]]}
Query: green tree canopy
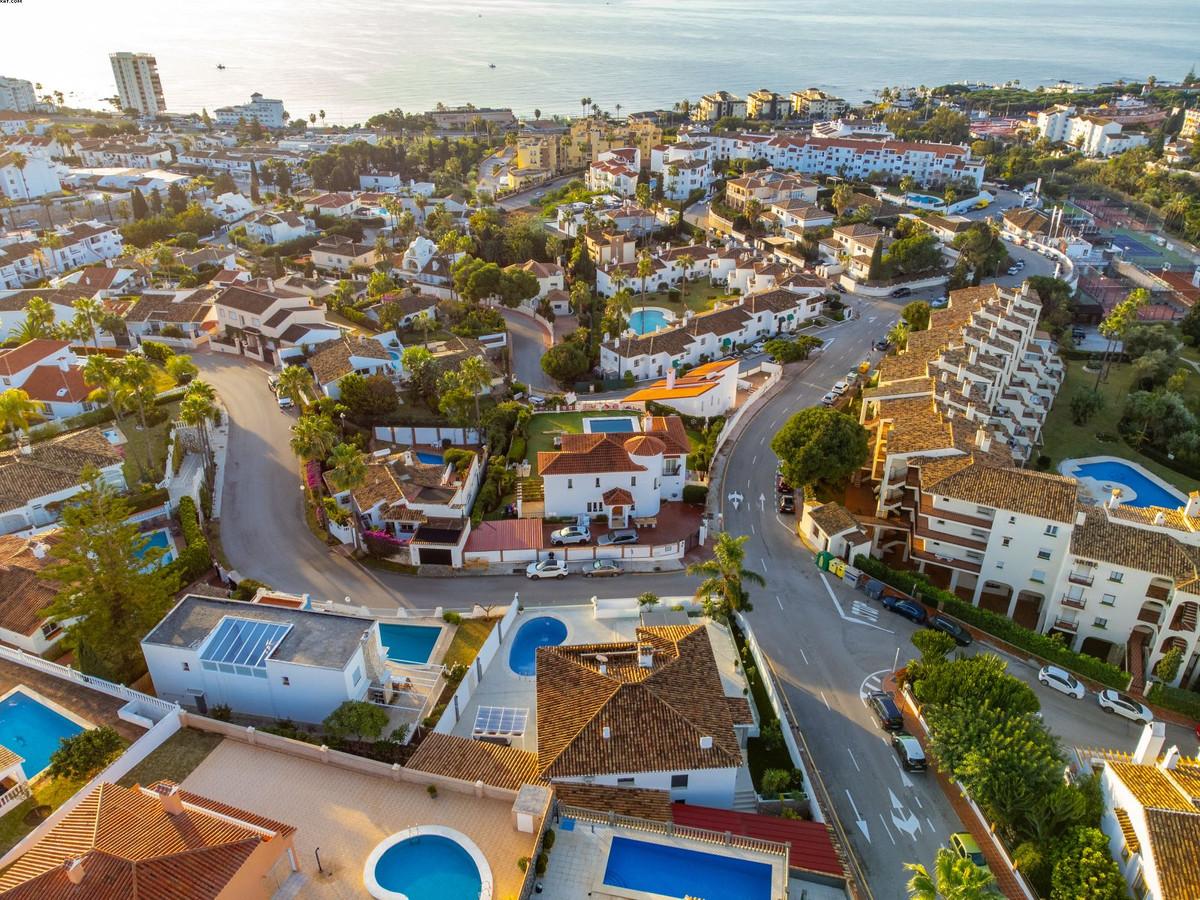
{"points": [[368, 397], [820, 445], [356, 720], [723, 591], [1083, 868], [82, 755], [953, 878], [566, 362], [916, 314]]}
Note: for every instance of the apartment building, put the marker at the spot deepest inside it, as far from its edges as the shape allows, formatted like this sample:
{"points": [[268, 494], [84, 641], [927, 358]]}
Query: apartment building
{"points": [[812, 103], [682, 167], [26, 177], [925, 162], [616, 171], [720, 105], [107, 153], [767, 106], [138, 84], [16, 94], [1092, 134], [1191, 124], [267, 113], [465, 117], [544, 153], [769, 186]]}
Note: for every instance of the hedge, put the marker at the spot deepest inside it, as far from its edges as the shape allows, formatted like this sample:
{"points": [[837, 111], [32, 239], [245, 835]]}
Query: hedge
{"points": [[195, 559], [696, 494], [997, 625], [1178, 699]]}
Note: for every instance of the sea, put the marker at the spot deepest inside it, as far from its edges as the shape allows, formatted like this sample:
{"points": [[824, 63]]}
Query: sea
{"points": [[353, 58]]}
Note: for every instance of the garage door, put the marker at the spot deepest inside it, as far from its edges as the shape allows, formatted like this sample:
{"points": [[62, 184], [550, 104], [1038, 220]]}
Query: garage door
{"points": [[431, 556]]}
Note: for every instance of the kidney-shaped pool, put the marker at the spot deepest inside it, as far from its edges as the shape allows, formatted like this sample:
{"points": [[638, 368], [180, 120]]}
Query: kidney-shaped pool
{"points": [[544, 631]]}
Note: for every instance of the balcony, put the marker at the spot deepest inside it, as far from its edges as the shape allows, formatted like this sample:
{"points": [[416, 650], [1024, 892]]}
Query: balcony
{"points": [[1081, 578], [1073, 602], [1066, 625], [1153, 617], [1158, 592], [932, 512], [924, 530]]}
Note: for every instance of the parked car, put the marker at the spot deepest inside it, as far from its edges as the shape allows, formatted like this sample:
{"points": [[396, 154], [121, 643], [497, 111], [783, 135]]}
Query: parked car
{"points": [[1013, 270], [901, 292], [273, 383], [602, 568], [618, 536], [1062, 680], [840, 388], [781, 486], [572, 534], [837, 287], [536, 400], [910, 751], [882, 344], [757, 347], [966, 847], [940, 303], [547, 568], [1123, 705], [910, 609], [852, 376], [787, 504], [829, 399], [284, 401], [886, 711], [961, 636]]}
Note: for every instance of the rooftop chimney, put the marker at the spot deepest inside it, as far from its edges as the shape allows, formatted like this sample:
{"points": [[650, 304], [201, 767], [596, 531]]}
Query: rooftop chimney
{"points": [[1160, 518], [646, 655], [670, 379], [983, 440], [1171, 759], [64, 365], [1114, 499], [606, 732], [24, 445], [39, 549], [603, 661], [75, 871], [706, 742], [1192, 508], [1154, 735], [172, 802]]}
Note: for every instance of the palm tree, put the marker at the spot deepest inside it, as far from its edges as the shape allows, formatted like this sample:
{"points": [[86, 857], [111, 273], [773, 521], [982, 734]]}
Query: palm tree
{"points": [[16, 409], [645, 268], [475, 376], [685, 262], [843, 194], [347, 467], [102, 373], [906, 184], [898, 335], [197, 410], [293, 382], [39, 319], [722, 592], [618, 309], [423, 322], [313, 437], [136, 372], [954, 878], [1176, 207], [88, 311]]}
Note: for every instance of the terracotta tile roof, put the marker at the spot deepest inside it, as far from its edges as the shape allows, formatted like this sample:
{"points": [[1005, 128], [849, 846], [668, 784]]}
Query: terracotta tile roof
{"points": [[52, 466], [644, 445], [833, 518], [23, 592], [22, 357], [671, 431], [160, 308], [397, 482], [471, 760], [1174, 838], [8, 758], [641, 803], [540, 269], [246, 300], [50, 384], [331, 361], [617, 497], [1023, 491], [1102, 539], [1131, 838], [506, 534], [585, 454], [810, 844], [17, 301], [739, 710], [1027, 220], [132, 848], [656, 716]]}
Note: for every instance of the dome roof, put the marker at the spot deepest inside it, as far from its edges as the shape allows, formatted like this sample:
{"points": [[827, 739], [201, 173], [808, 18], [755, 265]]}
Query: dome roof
{"points": [[645, 445]]}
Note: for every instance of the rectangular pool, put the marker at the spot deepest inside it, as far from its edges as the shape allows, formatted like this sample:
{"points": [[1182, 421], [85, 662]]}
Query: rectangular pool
{"points": [[161, 539], [679, 872], [33, 730], [409, 643], [609, 426]]}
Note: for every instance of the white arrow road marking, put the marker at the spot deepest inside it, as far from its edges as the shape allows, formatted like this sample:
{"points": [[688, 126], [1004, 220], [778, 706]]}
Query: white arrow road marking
{"points": [[762, 499], [840, 612], [904, 779], [860, 821], [904, 820], [888, 830]]}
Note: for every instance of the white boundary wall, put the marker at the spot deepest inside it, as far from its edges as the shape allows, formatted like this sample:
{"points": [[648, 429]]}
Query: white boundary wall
{"points": [[483, 659]]}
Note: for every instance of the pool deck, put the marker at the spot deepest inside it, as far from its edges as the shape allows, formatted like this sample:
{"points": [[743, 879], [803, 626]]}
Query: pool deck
{"points": [[1099, 491], [82, 703], [501, 686], [346, 814], [440, 646]]}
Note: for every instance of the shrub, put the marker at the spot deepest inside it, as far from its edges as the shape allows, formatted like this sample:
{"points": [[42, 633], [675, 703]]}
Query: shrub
{"points": [[451, 617], [247, 588], [523, 863], [1180, 700], [775, 781], [157, 351], [85, 754], [696, 494], [516, 450], [543, 861], [195, 559], [548, 840], [221, 712], [431, 790], [999, 626], [460, 459], [356, 719]]}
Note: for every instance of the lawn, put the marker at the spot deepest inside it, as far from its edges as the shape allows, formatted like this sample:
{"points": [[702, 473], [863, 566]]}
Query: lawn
{"points": [[544, 426], [175, 759], [700, 298], [468, 638], [152, 440], [1063, 439], [51, 792]]}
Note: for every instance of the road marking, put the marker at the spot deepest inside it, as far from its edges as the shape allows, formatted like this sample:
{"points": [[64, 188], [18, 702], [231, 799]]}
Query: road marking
{"points": [[826, 700], [860, 821], [838, 606], [930, 821], [780, 602], [853, 760], [870, 685], [803, 655], [754, 461], [866, 611], [904, 820], [762, 562], [904, 779], [918, 799], [752, 531], [888, 830]]}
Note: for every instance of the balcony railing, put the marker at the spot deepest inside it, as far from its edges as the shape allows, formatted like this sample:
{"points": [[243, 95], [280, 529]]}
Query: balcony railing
{"points": [[1154, 617], [1081, 578], [1158, 592], [1074, 602], [1066, 625]]}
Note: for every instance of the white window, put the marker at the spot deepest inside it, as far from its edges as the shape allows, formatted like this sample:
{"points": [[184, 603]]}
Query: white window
{"points": [[1037, 576], [1100, 622], [357, 674], [1044, 553], [679, 781], [1118, 577], [1052, 531], [1006, 542], [595, 506], [1108, 600]]}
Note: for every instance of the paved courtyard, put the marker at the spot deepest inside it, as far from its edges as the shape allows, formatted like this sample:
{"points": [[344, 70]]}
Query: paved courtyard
{"points": [[345, 814]]}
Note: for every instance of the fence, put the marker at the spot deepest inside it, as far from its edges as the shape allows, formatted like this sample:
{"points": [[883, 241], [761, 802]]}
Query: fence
{"points": [[688, 832], [487, 652], [774, 373], [15, 795], [430, 435]]}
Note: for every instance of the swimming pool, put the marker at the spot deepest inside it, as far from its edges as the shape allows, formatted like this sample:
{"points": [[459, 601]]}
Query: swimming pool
{"points": [[544, 631], [428, 456], [923, 200], [427, 863], [162, 540], [33, 730], [679, 872], [1138, 489], [409, 643], [643, 321], [614, 425]]}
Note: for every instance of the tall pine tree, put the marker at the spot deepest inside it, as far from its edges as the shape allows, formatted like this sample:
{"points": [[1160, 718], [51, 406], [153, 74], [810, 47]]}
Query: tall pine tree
{"points": [[109, 581], [253, 182], [137, 203]]}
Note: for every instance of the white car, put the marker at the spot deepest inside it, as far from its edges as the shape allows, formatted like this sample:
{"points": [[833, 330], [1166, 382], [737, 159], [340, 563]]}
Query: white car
{"points": [[1062, 681], [840, 388], [547, 568], [1123, 705], [572, 534], [284, 401], [829, 399]]}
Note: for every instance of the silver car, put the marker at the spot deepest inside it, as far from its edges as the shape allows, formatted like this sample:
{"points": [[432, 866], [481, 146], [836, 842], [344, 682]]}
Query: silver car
{"points": [[547, 568], [572, 534]]}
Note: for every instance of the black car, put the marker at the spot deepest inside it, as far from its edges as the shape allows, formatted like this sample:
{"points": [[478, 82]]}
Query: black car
{"points": [[882, 345], [787, 504], [961, 636], [910, 609], [837, 287], [901, 292], [908, 748], [886, 711]]}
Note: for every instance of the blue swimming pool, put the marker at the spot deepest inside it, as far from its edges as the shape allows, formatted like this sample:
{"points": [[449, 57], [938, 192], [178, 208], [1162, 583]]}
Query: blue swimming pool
{"points": [[409, 643], [643, 321], [1146, 492], [162, 540], [428, 456], [429, 867], [33, 730], [610, 426], [544, 631], [924, 200], [678, 872]]}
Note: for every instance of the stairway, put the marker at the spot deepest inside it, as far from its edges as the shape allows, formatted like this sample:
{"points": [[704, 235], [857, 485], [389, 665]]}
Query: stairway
{"points": [[745, 800], [1135, 662]]}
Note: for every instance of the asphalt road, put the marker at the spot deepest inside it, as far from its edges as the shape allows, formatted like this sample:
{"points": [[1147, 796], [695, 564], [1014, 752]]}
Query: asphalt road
{"points": [[525, 198], [527, 343]]}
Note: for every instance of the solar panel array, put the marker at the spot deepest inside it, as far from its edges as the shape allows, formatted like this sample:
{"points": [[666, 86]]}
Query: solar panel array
{"points": [[244, 642], [501, 720]]}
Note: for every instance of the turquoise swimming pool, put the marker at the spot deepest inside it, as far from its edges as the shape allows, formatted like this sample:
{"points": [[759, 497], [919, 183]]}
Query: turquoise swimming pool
{"points": [[428, 867], [643, 321], [1136, 489], [409, 643], [162, 540], [33, 730], [668, 871]]}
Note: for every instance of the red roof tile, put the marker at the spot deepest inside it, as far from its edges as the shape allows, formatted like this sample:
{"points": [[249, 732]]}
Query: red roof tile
{"points": [[812, 847]]}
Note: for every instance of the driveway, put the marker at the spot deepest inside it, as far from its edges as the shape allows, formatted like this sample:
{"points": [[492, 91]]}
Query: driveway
{"points": [[528, 341]]}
